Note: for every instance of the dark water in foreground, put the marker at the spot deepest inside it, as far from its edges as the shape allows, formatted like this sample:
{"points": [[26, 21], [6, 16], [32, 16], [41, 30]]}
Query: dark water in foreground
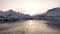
{"points": [[31, 27]]}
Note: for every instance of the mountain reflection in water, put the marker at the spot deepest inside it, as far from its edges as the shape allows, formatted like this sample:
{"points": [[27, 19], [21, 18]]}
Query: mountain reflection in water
{"points": [[31, 27]]}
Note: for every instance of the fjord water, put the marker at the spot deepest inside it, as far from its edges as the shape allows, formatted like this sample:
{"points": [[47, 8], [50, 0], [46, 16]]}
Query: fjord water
{"points": [[31, 27]]}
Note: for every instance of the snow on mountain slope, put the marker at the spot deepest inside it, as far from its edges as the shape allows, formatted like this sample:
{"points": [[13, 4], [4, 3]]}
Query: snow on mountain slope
{"points": [[14, 15], [53, 12]]}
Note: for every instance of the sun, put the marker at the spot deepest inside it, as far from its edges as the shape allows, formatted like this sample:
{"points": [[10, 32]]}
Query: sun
{"points": [[31, 9]]}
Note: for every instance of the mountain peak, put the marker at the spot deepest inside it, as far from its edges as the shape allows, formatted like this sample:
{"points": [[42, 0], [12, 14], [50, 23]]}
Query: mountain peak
{"points": [[54, 9], [53, 12], [13, 15], [10, 10]]}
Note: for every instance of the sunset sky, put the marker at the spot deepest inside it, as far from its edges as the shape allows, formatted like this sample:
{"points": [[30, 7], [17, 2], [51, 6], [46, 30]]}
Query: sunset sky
{"points": [[29, 6]]}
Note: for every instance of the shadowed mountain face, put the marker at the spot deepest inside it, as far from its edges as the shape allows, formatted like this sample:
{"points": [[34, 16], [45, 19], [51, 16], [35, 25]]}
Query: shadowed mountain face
{"points": [[13, 15], [50, 14]]}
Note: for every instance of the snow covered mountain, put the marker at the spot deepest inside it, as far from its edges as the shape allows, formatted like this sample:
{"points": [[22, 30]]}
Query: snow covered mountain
{"points": [[12, 15], [53, 12], [50, 14]]}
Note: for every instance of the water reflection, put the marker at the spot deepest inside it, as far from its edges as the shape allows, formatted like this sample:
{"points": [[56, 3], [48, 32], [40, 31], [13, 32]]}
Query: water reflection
{"points": [[30, 27], [53, 24]]}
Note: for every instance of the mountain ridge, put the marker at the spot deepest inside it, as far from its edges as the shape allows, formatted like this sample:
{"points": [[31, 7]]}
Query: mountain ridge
{"points": [[12, 15], [53, 13]]}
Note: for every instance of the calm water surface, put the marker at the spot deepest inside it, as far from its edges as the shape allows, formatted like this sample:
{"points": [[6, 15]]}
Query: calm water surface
{"points": [[31, 27]]}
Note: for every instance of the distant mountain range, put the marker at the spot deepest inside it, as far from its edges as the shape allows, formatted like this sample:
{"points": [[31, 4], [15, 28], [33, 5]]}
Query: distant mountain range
{"points": [[11, 15]]}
